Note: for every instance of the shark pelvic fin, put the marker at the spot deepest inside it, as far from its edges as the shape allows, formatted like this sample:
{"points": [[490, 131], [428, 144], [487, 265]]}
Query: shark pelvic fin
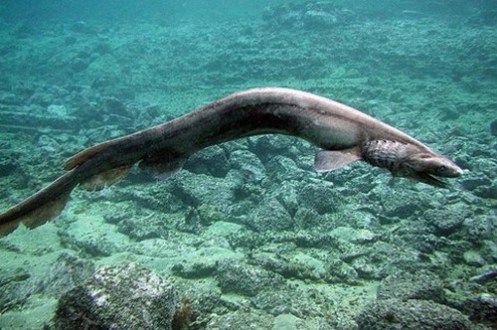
{"points": [[107, 178]]}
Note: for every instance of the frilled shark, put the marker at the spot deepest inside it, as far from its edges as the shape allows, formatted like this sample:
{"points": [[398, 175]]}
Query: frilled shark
{"points": [[343, 134]]}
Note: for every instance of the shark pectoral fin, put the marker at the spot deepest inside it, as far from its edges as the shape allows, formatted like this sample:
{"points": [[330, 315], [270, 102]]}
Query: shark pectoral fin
{"points": [[163, 166], [330, 160]]}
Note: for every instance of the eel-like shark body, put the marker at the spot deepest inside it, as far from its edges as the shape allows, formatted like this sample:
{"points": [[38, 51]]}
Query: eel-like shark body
{"points": [[343, 133]]}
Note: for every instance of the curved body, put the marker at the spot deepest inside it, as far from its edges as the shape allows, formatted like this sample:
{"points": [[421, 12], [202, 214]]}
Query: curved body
{"points": [[329, 125]]}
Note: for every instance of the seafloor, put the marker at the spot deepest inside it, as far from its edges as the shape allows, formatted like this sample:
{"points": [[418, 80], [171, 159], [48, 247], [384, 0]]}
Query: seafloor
{"points": [[248, 233]]}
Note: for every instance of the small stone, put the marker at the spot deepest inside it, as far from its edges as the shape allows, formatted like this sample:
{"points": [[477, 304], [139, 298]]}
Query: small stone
{"points": [[57, 110], [115, 106], [319, 19], [83, 28], [194, 190], [237, 277], [8, 165], [270, 215], [79, 64], [248, 164], [141, 228], [9, 98], [493, 127], [287, 322], [320, 196], [210, 161], [473, 258]]}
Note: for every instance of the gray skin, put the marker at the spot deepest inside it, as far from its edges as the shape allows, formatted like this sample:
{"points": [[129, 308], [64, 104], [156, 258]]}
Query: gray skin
{"points": [[328, 124]]}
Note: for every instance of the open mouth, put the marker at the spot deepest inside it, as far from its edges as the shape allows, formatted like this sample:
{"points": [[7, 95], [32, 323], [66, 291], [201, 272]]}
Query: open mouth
{"points": [[430, 179]]}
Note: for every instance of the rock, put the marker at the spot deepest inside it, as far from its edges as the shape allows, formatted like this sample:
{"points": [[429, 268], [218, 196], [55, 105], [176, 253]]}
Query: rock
{"points": [[473, 183], [402, 206], [281, 168], [9, 98], [481, 309], [340, 271], [444, 221], [234, 276], [287, 322], [248, 164], [489, 192], [203, 268], [355, 236], [267, 147], [41, 98], [316, 19], [320, 197], [122, 297], [493, 127], [8, 164], [115, 106], [210, 161], [473, 258], [308, 219], [67, 272], [365, 269], [270, 215], [90, 245], [194, 190], [141, 228], [288, 197], [478, 228], [410, 314], [79, 64], [240, 319], [15, 289], [421, 285], [83, 28], [57, 110]]}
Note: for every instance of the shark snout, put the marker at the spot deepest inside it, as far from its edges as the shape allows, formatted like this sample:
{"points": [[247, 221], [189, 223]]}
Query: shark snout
{"points": [[457, 171], [452, 170]]}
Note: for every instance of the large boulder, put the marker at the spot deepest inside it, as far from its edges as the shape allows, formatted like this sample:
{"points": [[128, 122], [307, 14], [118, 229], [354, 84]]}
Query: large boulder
{"points": [[410, 314], [118, 297], [421, 285]]}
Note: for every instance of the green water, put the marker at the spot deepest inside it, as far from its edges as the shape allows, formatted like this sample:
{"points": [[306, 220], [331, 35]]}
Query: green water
{"points": [[247, 231]]}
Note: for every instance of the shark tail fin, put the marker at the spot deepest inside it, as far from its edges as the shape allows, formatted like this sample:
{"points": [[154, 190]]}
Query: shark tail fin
{"points": [[41, 207], [49, 202]]}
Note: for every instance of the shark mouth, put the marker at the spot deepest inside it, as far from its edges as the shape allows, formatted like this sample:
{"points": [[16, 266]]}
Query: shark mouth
{"points": [[429, 179]]}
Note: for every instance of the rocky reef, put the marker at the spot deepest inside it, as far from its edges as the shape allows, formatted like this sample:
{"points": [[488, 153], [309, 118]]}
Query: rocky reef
{"points": [[247, 234]]}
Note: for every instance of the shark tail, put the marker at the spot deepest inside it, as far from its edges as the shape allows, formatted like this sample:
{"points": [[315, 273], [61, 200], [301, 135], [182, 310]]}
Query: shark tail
{"points": [[40, 207], [49, 202]]}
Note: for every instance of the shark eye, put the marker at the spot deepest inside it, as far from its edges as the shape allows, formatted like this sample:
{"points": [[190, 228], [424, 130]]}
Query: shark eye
{"points": [[442, 168]]}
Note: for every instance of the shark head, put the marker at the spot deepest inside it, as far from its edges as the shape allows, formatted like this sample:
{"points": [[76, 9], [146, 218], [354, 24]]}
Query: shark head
{"points": [[411, 161], [429, 167]]}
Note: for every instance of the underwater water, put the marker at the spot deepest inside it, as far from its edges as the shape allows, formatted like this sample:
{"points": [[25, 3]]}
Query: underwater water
{"points": [[247, 235]]}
